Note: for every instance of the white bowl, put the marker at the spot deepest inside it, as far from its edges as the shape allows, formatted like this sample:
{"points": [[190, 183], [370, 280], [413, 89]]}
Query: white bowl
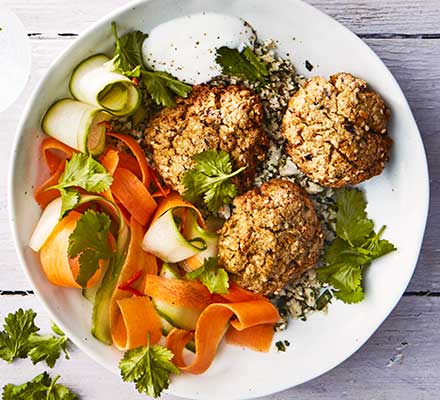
{"points": [[397, 198]]}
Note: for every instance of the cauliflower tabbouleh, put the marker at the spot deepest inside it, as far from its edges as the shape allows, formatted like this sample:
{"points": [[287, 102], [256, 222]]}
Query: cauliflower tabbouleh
{"points": [[298, 298]]}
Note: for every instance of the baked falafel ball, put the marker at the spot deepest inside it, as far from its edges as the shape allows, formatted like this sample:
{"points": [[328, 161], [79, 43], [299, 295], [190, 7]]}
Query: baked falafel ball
{"points": [[272, 237], [337, 130], [220, 118]]}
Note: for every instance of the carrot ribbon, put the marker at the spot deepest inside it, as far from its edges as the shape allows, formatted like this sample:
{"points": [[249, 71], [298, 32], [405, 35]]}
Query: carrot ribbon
{"points": [[132, 317], [212, 326], [59, 268], [55, 155]]}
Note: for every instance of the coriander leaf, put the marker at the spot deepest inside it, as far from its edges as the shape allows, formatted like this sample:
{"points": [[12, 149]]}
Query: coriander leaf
{"points": [[352, 223], [244, 65], [215, 279], [259, 65], [84, 172], [69, 199], [354, 296], [340, 251], [160, 85], [89, 240], [42, 387], [16, 331], [341, 276], [210, 178], [127, 59], [149, 367], [377, 247], [47, 348], [381, 248]]}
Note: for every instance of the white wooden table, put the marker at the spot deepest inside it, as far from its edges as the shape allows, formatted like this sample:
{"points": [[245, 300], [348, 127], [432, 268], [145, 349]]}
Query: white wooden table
{"points": [[406, 34]]}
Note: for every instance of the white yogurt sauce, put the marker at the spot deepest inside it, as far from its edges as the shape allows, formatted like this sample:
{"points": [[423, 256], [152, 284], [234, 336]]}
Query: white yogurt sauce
{"points": [[186, 47]]}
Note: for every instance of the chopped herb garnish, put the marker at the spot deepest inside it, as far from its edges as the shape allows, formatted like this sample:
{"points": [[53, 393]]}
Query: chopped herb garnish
{"points": [[309, 66], [355, 247], [323, 299], [282, 345]]}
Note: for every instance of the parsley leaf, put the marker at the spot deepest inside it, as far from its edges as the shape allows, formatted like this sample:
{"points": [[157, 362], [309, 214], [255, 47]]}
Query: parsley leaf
{"points": [[128, 60], [356, 246], [89, 240], [244, 65], [42, 387], [215, 279], [149, 367], [210, 178], [48, 347], [17, 328], [84, 172]]}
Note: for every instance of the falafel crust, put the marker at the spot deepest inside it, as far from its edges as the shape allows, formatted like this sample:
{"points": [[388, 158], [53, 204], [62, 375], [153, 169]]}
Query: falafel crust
{"points": [[220, 118], [337, 130], [272, 237]]}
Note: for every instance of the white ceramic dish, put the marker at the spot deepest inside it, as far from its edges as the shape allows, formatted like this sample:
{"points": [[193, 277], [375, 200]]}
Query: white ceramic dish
{"points": [[398, 198]]}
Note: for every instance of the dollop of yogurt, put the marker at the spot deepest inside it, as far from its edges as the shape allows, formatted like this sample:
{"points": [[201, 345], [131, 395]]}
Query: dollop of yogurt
{"points": [[186, 47]]}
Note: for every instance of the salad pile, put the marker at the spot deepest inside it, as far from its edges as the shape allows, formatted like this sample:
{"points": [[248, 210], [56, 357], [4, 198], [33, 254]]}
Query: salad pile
{"points": [[140, 253]]}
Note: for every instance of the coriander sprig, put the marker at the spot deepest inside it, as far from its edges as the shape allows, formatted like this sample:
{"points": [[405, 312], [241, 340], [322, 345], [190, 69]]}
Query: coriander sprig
{"points": [[355, 247], [245, 64], [42, 387], [210, 179], [20, 340], [82, 171], [214, 278], [149, 367], [128, 60]]}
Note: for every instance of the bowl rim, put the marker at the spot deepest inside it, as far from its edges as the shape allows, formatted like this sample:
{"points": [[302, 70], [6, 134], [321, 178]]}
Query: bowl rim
{"points": [[20, 133]]}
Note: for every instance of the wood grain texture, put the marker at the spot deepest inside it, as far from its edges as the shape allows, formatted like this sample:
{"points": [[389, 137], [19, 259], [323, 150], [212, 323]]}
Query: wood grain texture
{"points": [[50, 17], [364, 376], [413, 62]]}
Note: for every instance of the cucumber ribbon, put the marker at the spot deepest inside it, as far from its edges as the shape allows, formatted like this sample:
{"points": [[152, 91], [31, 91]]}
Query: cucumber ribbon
{"points": [[94, 82], [77, 125], [175, 234]]}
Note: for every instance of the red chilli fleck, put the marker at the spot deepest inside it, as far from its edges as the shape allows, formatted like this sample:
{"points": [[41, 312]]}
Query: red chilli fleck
{"points": [[127, 284]]}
